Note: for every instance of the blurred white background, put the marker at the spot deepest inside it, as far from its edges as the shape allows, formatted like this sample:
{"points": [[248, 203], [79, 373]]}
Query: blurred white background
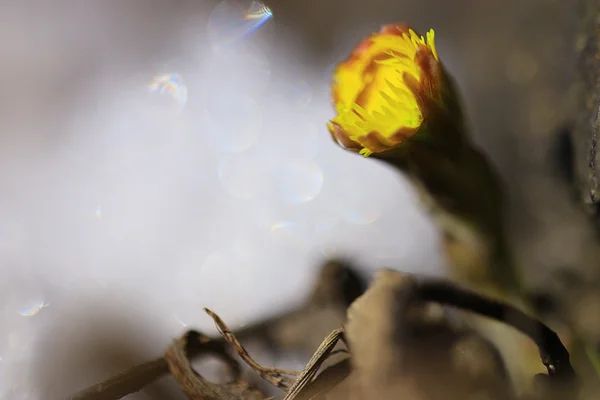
{"points": [[160, 157]]}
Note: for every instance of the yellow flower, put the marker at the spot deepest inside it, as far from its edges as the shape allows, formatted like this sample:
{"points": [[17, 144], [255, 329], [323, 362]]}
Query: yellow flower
{"points": [[382, 91]]}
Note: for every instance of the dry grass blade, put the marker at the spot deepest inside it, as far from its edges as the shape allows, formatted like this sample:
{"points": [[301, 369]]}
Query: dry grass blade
{"points": [[307, 374], [330, 380], [274, 376]]}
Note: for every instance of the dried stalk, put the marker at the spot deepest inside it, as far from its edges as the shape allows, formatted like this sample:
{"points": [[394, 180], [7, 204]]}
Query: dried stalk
{"points": [[276, 377], [128, 382], [193, 385], [553, 353]]}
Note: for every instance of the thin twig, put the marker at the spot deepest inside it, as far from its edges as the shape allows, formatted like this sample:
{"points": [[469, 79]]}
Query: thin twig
{"points": [[554, 354], [274, 376], [130, 381], [197, 388]]}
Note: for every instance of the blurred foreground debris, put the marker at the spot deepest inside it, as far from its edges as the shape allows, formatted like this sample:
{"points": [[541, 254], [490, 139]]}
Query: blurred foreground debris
{"points": [[403, 339], [300, 330]]}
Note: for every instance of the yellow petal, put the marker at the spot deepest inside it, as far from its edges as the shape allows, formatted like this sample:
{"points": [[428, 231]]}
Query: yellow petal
{"points": [[371, 95]]}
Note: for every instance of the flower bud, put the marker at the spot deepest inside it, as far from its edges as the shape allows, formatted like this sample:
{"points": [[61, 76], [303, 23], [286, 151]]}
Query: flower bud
{"points": [[387, 90]]}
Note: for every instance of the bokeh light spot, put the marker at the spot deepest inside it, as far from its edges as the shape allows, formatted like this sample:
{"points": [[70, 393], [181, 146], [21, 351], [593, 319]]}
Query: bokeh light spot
{"points": [[98, 212], [292, 234], [233, 21], [362, 217], [234, 121], [299, 180], [244, 69], [34, 309], [241, 176], [171, 85], [301, 94]]}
